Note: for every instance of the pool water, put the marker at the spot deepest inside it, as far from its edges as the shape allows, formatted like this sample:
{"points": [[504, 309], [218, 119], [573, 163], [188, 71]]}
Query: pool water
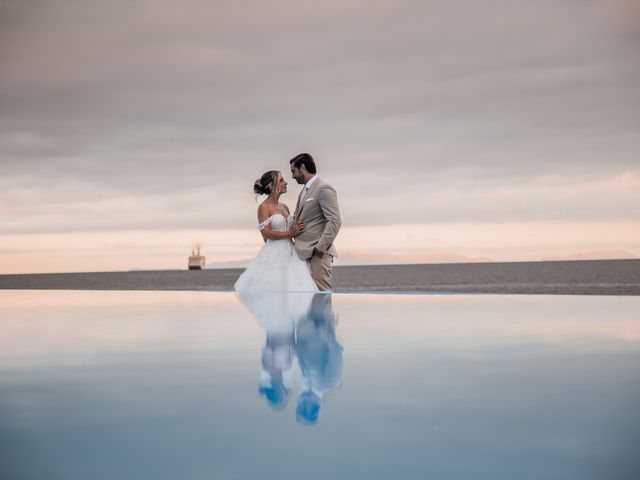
{"points": [[202, 385]]}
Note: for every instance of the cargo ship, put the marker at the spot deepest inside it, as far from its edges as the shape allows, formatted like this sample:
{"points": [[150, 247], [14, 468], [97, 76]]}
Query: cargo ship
{"points": [[196, 261]]}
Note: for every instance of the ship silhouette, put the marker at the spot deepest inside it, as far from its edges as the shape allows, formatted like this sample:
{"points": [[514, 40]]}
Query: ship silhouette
{"points": [[196, 261]]}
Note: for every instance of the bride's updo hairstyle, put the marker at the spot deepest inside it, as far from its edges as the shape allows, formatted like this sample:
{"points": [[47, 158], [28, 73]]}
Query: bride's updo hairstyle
{"points": [[265, 184]]}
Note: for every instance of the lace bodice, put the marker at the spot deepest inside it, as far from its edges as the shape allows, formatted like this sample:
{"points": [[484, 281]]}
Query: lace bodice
{"points": [[277, 222]]}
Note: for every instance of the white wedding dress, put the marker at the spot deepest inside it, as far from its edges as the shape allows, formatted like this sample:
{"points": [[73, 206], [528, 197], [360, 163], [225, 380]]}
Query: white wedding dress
{"points": [[277, 267]]}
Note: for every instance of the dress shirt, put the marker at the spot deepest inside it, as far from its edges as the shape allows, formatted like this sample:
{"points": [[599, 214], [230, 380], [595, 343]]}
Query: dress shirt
{"points": [[306, 188]]}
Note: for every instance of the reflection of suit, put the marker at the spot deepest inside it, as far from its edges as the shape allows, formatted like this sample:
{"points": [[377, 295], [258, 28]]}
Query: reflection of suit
{"points": [[319, 357], [320, 212]]}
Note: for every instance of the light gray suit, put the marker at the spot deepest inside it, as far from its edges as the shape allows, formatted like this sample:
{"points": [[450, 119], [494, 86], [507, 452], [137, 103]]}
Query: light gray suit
{"points": [[320, 212]]}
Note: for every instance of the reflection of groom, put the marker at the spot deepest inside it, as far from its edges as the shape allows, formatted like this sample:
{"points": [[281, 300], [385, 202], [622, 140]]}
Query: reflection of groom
{"points": [[319, 357], [318, 208]]}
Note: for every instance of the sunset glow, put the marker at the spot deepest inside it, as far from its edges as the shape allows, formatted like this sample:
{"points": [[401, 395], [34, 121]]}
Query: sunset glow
{"points": [[127, 138]]}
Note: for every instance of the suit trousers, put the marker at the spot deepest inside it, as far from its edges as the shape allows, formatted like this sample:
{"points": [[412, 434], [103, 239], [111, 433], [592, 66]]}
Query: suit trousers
{"points": [[321, 271]]}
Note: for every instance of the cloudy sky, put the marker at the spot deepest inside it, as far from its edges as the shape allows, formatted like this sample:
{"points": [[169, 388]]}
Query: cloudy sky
{"points": [[452, 130]]}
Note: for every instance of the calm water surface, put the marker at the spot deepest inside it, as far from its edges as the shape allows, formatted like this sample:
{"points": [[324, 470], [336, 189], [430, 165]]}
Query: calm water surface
{"points": [[196, 385]]}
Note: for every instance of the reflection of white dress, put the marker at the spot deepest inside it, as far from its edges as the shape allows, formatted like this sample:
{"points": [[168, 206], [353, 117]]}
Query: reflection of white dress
{"points": [[276, 266], [277, 287]]}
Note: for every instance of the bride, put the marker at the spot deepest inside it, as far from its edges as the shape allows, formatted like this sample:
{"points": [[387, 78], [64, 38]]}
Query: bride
{"points": [[276, 266]]}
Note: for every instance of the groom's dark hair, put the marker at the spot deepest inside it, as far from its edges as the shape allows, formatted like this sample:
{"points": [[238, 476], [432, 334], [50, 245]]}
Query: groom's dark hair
{"points": [[304, 159]]}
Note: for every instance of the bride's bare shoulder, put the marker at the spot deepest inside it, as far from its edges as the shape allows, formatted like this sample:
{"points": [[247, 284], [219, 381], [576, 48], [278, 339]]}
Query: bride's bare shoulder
{"points": [[264, 211]]}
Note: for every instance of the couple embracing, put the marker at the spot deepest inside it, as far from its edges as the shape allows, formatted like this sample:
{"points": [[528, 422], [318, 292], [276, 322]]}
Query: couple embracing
{"points": [[298, 251]]}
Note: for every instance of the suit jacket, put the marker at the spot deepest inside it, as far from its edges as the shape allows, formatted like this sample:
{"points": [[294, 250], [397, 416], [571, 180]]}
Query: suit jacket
{"points": [[320, 212]]}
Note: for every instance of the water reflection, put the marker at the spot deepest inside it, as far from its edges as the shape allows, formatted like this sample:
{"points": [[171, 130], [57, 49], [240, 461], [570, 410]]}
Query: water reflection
{"points": [[302, 326]]}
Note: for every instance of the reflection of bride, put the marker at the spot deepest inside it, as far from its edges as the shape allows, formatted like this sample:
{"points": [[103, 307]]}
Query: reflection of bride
{"points": [[276, 266], [302, 325], [278, 313]]}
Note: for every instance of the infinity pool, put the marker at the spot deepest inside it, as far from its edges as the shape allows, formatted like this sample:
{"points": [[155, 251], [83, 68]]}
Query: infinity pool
{"points": [[182, 385]]}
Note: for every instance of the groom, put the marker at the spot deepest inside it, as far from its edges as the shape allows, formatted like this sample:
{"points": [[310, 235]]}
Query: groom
{"points": [[318, 209]]}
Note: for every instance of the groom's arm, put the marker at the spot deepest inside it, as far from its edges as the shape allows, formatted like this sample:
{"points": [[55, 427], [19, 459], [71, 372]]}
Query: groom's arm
{"points": [[328, 201]]}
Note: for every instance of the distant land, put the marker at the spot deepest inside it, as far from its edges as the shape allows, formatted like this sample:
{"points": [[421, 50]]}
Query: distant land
{"points": [[358, 258], [596, 255], [349, 258]]}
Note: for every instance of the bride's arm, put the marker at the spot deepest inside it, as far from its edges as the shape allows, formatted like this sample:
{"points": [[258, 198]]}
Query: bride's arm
{"points": [[267, 232]]}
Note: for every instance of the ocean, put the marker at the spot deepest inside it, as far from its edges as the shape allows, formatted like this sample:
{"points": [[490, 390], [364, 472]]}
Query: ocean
{"points": [[589, 277]]}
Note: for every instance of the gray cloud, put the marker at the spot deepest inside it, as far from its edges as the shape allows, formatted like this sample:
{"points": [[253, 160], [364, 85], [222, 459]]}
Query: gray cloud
{"points": [[162, 113]]}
